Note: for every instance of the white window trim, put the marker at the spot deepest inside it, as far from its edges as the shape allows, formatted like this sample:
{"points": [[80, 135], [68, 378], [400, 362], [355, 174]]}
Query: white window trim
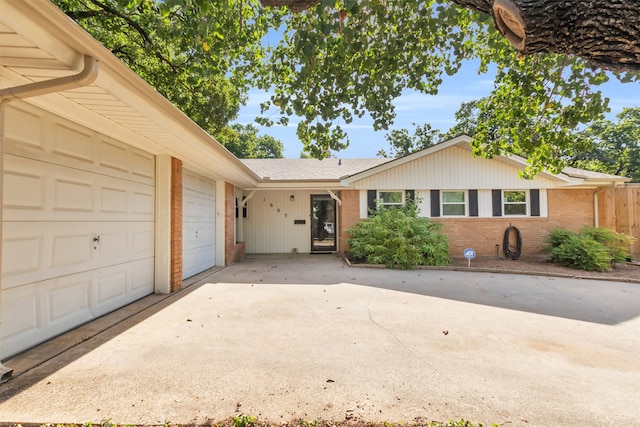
{"points": [[527, 204], [465, 203], [379, 202]]}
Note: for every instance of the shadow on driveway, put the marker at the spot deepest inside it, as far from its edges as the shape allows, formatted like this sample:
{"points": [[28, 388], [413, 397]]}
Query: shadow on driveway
{"points": [[307, 337], [592, 301]]}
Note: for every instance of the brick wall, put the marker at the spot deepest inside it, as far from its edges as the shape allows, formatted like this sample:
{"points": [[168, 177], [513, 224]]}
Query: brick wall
{"points": [[176, 224], [566, 208], [348, 214], [233, 252]]}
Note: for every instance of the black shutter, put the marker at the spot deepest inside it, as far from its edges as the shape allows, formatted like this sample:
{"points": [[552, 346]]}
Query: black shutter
{"points": [[435, 203], [496, 202], [535, 202], [473, 202], [411, 195], [371, 201]]}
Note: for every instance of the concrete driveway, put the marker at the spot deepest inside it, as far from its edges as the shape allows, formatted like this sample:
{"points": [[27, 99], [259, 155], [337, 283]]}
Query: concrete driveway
{"points": [[307, 337]]}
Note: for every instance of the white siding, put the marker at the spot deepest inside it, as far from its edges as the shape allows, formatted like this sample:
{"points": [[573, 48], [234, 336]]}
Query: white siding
{"points": [[78, 226], [451, 169], [270, 227]]}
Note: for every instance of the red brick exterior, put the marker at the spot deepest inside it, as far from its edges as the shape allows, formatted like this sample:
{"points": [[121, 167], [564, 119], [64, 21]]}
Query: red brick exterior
{"points": [[567, 208], [176, 225], [233, 252], [348, 216]]}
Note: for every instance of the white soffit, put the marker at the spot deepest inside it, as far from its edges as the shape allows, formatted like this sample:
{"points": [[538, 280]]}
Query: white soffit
{"points": [[38, 42]]}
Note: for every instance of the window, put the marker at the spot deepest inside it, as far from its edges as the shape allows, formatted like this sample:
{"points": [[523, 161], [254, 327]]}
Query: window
{"points": [[514, 202], [453, 203], [245, 209], [390, 198]]}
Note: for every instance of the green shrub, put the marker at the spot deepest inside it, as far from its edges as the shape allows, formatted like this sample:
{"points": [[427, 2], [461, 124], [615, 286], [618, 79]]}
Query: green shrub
{"points": [[557, 236], [581, 251], [594, 249], [618, 244], [397, 237]]}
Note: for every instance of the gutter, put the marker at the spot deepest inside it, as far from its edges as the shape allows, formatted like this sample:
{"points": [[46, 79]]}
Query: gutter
{"points": [[85, 77]]}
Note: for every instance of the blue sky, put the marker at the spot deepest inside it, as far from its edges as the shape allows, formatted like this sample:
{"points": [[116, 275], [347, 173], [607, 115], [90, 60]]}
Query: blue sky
{"points": [[417, 108]]}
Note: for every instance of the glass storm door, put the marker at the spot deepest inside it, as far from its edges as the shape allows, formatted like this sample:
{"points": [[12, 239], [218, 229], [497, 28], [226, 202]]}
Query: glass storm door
{"points": [[323, 223]]}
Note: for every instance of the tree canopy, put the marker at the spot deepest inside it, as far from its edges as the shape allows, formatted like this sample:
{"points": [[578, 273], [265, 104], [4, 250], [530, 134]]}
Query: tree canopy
{"points": [[245, 142], [341, 59], [614, 146], [401, 143]]}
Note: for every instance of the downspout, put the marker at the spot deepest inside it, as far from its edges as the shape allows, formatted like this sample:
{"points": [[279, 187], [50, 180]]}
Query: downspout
{"points": [[87, 76], [595, 208]]}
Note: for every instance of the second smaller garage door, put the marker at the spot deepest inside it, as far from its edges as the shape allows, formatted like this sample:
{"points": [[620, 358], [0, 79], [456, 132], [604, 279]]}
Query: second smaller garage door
{"points": [[198, 224]]}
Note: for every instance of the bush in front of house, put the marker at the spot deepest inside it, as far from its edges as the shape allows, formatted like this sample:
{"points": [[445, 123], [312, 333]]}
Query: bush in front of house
{"points": [[398, 238], [592, 248]]}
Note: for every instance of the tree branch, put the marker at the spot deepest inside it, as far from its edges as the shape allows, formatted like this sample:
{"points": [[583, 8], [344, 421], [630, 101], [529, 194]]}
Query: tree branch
{"points": [[605, 33]]}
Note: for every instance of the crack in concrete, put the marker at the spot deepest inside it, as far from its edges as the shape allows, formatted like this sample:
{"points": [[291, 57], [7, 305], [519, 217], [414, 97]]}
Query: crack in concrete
{"points": [[480, 402]]}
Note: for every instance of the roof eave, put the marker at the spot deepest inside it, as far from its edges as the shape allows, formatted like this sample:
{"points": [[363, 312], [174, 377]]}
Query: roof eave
{"points": [[66, 38]]}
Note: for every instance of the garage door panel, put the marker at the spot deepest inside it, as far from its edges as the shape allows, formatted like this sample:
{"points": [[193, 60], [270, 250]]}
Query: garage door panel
{"points": [[78, 227], [33, 133], [198, 224], [66, 302], [143, 202], [37, 311], [143, 166], [20, 313], [118, 285], [141, 278], [112, 155], [54, 192], [110, 288], [200, 234], [43, 250], [68, 249], [72, 143], [22, 254], [197, 260], [28, 129], [72, 195], [23, 189], [198, 210]]}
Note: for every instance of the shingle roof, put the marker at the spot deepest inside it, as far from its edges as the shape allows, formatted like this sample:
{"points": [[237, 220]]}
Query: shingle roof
{"points": [[581, 173], [309, 169], [333, 169]]}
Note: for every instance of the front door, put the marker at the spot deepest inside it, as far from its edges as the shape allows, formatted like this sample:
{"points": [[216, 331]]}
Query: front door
{"points": [[323, 223]]}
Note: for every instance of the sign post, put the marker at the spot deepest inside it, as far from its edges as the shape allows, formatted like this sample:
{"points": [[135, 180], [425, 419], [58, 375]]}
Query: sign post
{"points": [[469, 254]]}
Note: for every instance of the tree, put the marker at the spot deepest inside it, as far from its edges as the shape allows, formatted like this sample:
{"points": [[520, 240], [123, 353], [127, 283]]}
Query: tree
{"points": [[340, 59], [402, 144], [604, 33], [201, 55], [245, 143], [615, 146]]}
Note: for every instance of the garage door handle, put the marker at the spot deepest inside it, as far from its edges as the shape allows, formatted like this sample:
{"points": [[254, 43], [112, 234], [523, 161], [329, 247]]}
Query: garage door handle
{"points": [[96, 239]]}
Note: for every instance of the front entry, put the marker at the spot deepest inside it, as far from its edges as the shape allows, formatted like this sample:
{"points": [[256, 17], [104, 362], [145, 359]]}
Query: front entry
{"points": [[323, 223]]}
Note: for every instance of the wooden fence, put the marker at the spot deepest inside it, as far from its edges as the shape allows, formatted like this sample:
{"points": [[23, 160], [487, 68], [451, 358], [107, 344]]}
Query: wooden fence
{"points": [[619, 210]]}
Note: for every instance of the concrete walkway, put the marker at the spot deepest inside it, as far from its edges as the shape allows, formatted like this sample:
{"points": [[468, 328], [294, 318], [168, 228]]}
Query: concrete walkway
{"points": [[307, 337]]}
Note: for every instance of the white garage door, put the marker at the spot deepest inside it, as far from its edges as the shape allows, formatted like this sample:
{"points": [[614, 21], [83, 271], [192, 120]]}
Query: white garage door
{"points": [[78, 230], [198, 223]]}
